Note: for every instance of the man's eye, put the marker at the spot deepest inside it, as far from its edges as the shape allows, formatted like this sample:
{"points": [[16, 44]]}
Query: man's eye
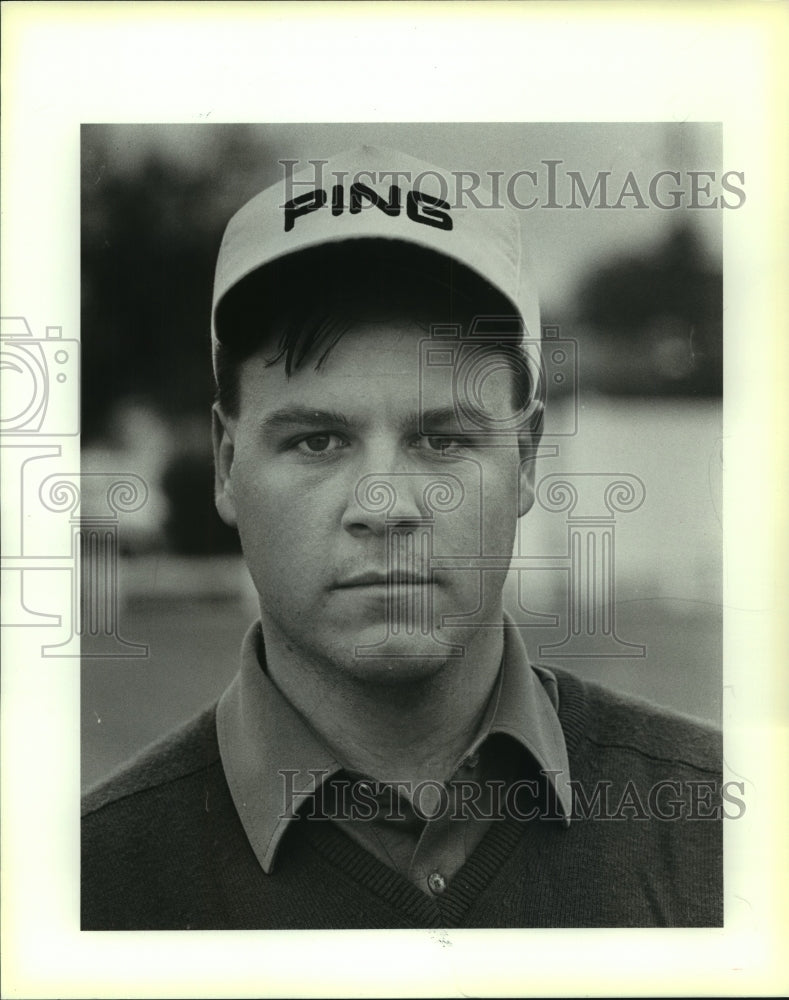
{"points": [[319, 444], [446, 442]]}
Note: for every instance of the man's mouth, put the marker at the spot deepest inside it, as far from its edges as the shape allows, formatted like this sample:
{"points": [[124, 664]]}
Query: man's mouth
{"points": [[385, 579]]}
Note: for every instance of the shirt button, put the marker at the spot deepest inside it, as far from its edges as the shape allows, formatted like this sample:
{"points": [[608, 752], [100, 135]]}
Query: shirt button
{"points": [[436, 883]]}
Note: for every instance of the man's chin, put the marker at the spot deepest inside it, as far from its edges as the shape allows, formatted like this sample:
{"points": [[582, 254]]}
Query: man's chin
{"points": [[401, 657]]}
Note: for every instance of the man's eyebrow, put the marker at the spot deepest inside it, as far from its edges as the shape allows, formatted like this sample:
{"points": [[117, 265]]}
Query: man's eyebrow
{"points": [[303, 416], [453, 415], [438, 415]]}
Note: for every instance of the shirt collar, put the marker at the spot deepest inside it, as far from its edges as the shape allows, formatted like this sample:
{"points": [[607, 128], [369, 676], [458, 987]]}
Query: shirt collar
{"points": [[525, 706], [273, 759]]}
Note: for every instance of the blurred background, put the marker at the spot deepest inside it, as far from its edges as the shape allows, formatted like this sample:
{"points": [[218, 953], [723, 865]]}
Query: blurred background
{"points": [[637, 290]]}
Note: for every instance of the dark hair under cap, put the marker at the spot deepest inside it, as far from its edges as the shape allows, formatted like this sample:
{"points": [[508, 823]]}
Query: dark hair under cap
{"points": [[300, 307]]}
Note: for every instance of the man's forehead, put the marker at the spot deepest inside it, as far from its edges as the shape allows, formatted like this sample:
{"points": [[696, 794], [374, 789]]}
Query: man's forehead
{"points": [[364, 350], [383, 365]]}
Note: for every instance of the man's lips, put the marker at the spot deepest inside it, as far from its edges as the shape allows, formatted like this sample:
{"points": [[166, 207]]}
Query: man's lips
{"points": [[377, 579]]}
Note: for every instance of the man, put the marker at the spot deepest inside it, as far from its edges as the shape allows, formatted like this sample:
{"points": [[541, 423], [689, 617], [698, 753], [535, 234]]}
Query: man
{"points": [[387, 756]]}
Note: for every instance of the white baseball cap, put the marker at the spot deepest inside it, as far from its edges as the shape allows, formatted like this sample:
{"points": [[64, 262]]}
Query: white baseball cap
{"points": [[379, 195]]}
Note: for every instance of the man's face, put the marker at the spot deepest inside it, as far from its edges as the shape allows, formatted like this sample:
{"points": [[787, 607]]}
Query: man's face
{"points": [[348, 482]]}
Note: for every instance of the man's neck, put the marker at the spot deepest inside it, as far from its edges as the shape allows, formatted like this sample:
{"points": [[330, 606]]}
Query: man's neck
{"points": [[412, 730]]}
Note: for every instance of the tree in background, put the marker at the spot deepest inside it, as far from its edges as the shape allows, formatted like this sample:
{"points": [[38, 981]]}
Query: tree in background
{"points": [[653, 325]]}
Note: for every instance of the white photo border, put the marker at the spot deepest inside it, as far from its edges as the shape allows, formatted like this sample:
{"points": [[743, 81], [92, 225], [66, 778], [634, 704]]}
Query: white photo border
{"points": [[65, 64]]}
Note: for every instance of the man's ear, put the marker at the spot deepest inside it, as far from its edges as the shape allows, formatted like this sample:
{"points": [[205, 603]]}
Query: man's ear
{"points": [[529, 444], [529, 438], [526, 480], [222, 436]]}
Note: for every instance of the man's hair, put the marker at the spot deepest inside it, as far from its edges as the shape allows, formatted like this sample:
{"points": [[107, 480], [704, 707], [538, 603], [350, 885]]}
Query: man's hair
{"points": [[300, 308]]}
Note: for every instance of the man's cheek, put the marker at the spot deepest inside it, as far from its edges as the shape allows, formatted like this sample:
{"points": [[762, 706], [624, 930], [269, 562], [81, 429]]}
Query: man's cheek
{"points": [[490, 508]]}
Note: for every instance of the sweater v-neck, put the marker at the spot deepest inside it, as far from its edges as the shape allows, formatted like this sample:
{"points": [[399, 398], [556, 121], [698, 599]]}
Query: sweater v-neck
{"points": [[449, 908]]}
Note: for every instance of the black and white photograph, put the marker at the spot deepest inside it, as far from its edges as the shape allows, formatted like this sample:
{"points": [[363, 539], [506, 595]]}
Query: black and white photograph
{"points": [[465, 486], [381, 433]]}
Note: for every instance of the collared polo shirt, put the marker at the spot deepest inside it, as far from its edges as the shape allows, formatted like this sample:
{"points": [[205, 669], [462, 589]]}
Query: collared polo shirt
{"points": [[279, 771]]}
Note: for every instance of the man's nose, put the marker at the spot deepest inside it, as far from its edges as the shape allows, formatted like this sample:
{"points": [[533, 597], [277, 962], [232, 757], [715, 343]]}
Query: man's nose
{"points": [[399, 498], [384, 497], [383, 488]]}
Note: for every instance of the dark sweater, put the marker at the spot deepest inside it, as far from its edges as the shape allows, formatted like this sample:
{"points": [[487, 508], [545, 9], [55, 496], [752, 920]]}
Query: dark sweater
{"points": [[163, 847]]}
